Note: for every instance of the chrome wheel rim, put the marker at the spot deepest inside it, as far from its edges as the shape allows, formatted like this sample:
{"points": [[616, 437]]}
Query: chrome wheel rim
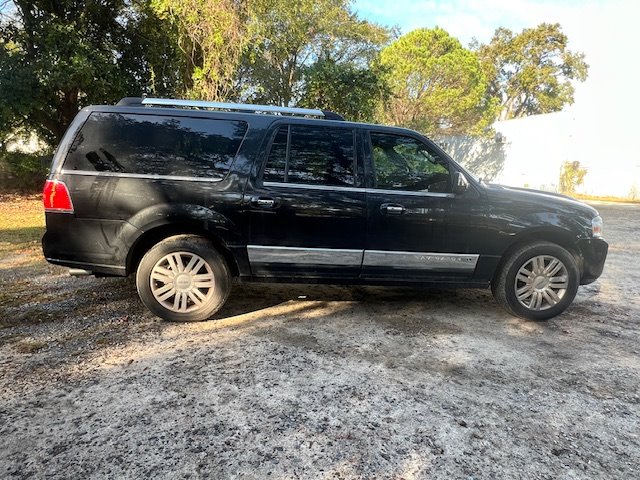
{"points": [[182, 282], [541, 282]]}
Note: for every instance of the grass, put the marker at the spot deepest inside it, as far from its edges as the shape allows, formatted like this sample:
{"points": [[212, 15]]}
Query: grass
{"points": [[580, 196], [21, 220], [21, 225]]}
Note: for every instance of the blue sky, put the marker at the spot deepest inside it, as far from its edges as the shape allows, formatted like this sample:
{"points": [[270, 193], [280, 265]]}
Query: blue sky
{"points": [[479, 18], [605, 30]]}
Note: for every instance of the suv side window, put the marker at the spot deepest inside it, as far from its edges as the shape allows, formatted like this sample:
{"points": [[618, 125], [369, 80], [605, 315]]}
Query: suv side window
{"points": [[404, 163], [156, 145], [312, 155]]}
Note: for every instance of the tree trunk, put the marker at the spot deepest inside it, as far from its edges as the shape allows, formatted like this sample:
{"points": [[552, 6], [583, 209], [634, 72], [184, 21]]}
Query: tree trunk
{"points": [[66, 111]]}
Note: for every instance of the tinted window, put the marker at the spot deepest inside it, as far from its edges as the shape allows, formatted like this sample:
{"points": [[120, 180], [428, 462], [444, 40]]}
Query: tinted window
{"points": [[147, 144], [403, 163], [317, 155]]}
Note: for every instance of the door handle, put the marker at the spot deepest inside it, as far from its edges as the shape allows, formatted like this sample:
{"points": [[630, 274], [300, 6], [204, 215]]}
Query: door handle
{"points": [[390, 209], [263, 202]]}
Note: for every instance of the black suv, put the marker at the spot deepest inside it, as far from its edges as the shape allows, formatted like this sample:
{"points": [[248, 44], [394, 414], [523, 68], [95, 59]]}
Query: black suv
{"points": [[190, 195]]}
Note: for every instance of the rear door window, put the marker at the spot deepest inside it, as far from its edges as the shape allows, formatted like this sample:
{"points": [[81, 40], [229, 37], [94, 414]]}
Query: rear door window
{"points": [[312, 155], [156, 145]]}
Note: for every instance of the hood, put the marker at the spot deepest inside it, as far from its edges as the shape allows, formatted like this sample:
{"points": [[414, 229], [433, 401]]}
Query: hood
{"points": [[549, 200]]}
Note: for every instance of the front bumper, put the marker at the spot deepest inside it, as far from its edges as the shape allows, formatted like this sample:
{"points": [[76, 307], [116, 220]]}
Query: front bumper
{"points": [[594, 253]]}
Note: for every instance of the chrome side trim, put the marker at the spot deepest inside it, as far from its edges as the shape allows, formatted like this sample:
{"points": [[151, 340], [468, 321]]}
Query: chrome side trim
{"points": [[407, 192], [313, 187], [88, 173], [241, 107], [304, 256], [368, 258], [420, 260]]}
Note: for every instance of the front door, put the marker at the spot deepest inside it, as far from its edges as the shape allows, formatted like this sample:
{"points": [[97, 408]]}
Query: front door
{"points": [[306, 208], [415, 225]]}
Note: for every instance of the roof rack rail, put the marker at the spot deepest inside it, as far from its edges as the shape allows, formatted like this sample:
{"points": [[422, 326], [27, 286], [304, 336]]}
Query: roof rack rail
{"points": [[236, 107]]}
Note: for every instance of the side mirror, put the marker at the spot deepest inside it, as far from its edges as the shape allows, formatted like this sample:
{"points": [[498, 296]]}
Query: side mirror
{"points": [[460, 183]]}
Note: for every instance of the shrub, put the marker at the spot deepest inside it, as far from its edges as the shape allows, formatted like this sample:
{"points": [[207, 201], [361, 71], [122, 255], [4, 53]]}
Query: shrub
{"points": [[23, 172], [571, 175]]}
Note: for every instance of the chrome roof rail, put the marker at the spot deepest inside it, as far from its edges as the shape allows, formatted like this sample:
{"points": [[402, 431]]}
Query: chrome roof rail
{"points": [[240, 107]]}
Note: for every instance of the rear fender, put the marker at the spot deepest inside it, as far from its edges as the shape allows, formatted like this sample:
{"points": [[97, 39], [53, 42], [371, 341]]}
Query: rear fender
{"points": [[155, 223]]}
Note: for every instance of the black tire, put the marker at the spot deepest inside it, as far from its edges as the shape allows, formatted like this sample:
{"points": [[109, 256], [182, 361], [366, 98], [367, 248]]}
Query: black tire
{"points": [[504, 284], [208, 274]]}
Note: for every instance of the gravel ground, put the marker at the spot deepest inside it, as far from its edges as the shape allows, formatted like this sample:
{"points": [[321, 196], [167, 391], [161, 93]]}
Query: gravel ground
{"points": [[320, 382]]}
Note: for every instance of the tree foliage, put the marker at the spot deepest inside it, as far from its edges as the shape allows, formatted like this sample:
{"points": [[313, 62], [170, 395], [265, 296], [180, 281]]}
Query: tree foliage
{"points": [[352, 91], [151, 56], [55, 57], [287, 37], [212, 36], [438, 85], [532, 72]]}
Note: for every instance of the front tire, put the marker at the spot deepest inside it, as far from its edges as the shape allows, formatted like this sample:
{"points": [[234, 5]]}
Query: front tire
{"points": [[183, 279], [537, 281]]}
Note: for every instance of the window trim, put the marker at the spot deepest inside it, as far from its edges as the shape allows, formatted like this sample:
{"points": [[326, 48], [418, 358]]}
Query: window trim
{"points": [[150, 176], [287, 154], [336, 188], [416, 193]]}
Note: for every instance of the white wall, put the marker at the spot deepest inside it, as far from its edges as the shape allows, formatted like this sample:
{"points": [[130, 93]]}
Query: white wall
{"points": [[530, 151]]}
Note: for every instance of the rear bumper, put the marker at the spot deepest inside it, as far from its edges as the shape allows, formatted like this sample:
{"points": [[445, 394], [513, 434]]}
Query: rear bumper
{"points": [[54, 252], [88, 244], [594, 253]]}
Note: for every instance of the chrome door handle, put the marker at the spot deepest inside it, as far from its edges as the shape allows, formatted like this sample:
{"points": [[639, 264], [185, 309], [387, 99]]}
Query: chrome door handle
{"points": [[392, 209], [263, 202]]}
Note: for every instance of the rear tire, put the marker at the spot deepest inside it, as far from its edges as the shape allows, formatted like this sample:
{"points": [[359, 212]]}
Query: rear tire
{"points": [[183, 279], [537, 281]]}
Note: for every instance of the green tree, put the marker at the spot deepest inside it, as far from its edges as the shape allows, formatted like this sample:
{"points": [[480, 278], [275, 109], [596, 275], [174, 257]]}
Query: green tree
{"points": [[287, 37], [438, 85], [531, 72], [212, 36], [345, 88], [56, 57], [152, 55]]}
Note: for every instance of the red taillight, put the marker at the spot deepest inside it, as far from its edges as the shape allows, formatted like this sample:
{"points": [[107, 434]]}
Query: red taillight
{"points": [[56, 198]]}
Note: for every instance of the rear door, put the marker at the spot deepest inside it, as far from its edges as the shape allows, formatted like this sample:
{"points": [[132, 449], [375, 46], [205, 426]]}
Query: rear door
{"points": [[306, 206]]}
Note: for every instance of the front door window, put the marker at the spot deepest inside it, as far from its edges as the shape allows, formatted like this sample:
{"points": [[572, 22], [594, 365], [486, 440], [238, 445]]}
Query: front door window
{"points": [[404, 163]]}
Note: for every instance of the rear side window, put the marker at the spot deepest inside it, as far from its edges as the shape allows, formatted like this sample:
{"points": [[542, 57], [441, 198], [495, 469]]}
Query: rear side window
{"points": [[312, 155], [156, 145]]}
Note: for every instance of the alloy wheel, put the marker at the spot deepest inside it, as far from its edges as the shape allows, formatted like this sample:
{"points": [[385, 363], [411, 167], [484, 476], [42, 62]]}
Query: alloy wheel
{"points": [[541, 282]]}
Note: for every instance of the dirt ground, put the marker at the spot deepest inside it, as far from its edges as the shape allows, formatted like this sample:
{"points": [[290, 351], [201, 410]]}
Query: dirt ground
{"points": [[320, 382]]}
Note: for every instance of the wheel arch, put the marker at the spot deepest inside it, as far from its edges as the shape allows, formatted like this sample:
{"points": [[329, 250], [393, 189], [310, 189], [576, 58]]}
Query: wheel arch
{"points": [[560, 237], [155, 235]]}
